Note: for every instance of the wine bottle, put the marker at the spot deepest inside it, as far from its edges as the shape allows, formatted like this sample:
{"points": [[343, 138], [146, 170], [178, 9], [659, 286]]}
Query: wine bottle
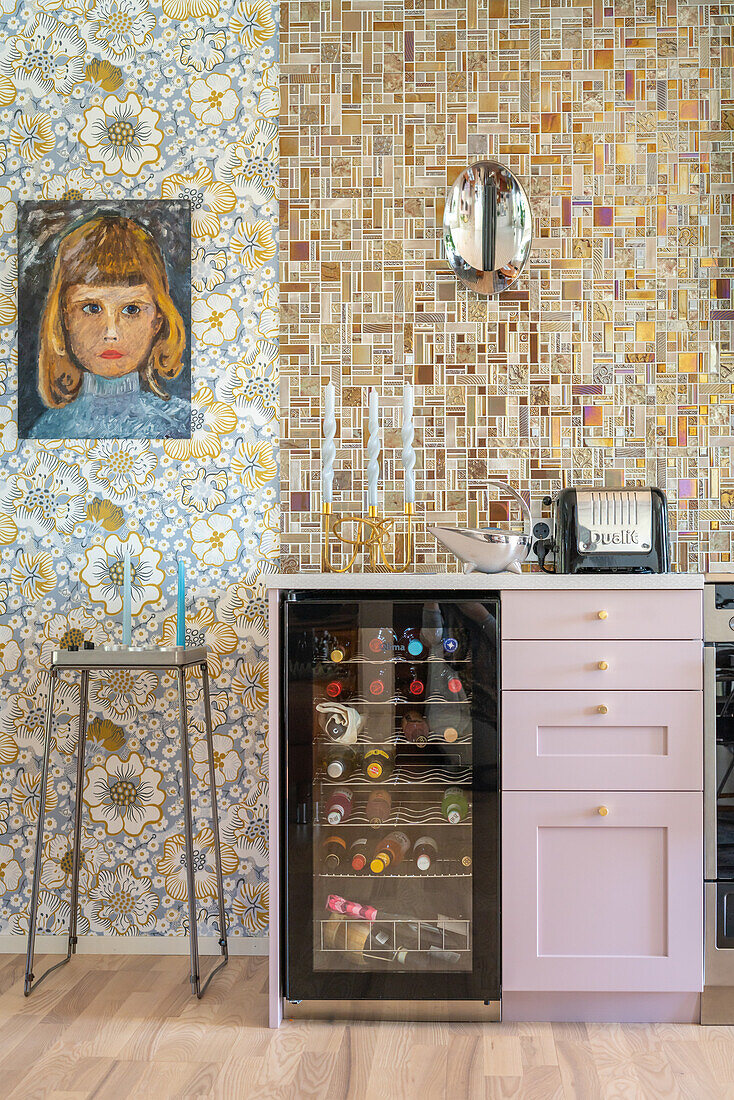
{"points": [[432, 959], [358, 853], [455, 643], [379, 762], [340, 761], [452, 722], [425, 851], [339, 806], [339, 723], [381, 641], [390, 851], [333, 852], [379, 807], [416, 685], [339, 904], [340, 683], [378, 685], [339, 650], [414, 727], [455, 805], [411, 643], [450, 685]]}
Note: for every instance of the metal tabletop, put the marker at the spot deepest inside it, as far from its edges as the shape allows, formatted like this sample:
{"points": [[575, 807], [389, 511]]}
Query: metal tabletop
{"points": [[129, 657]]}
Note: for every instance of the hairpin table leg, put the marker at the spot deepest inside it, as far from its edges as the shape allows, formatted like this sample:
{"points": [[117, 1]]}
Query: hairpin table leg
{"points": [[215, 827], [76, 852], [33, 912], [188, 832]]}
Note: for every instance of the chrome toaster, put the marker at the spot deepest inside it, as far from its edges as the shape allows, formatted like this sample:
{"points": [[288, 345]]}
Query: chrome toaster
{"points": [[601, 530]]}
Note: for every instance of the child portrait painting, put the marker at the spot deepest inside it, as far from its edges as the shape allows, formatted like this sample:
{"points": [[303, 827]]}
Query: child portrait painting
{"points": [[104, 319]]}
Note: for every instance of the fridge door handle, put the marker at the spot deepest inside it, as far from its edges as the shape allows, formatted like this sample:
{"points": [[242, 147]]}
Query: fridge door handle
{"points": [[709, 761]]}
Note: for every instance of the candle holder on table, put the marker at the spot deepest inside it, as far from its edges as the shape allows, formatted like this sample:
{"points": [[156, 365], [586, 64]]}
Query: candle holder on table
{"points": [[373, 530]]}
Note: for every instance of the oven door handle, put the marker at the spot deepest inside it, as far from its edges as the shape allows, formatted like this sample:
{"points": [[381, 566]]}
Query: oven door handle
{"points": [[709, 763]]}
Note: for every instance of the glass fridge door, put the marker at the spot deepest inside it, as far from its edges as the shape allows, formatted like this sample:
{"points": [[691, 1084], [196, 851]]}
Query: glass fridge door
{"points": [[725, 760], [391, 799]]}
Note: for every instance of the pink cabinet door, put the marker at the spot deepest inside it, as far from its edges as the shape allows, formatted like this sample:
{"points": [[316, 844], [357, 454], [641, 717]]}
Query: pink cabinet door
{"points": [[621, 740], [602, 614], [594, 903], [602, 666]]}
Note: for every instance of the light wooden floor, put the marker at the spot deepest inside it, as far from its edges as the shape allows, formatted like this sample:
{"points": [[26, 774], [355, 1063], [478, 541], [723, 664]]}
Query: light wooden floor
{"points": [[127, 1027]]}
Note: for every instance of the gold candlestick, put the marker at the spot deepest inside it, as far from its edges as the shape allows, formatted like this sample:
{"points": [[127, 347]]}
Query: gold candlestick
{"points": [[372, 532]]}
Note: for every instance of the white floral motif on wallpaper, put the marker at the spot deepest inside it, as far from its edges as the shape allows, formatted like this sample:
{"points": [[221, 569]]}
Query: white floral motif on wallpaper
{"points": [[173, 864], [105, 569], [122, 135], [120, 693], [122, 902], [120, 468], [52, 917], [48, 57], [49, 495], [141, 99], [124, 795], [23, 719]]}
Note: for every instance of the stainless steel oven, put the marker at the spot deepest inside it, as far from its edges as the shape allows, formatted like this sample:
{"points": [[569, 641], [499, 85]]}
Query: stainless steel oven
{"points": [[717, 1002]]}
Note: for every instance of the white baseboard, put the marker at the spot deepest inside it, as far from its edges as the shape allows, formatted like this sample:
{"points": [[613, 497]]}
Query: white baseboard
{"points": [[133, 945]]}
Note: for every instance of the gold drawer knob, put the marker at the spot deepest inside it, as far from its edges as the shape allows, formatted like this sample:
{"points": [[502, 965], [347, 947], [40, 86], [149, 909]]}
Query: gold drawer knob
{"points": [[603, 811], [602, 666], [602, 709], [603, 614]]}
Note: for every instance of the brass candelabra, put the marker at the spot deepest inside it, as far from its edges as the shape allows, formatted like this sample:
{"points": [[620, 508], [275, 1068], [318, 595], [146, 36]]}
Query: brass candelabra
{"points": [[372, 534]]}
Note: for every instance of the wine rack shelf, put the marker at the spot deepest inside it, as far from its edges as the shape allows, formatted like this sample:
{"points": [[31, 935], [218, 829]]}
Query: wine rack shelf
{"points": [[342, 933], [412, 872], [417, 775], [403, 815], [398, 740], [399, 700], [452, 662]]}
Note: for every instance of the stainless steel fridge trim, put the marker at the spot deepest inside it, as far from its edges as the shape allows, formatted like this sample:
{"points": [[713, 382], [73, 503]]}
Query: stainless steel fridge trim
{"points": [[717, 1005], [410, 1011], [718, 961], [709, 762], [716, 620]]}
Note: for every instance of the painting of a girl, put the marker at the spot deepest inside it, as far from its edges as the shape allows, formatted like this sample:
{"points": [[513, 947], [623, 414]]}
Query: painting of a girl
{"points": [[111, 340]]}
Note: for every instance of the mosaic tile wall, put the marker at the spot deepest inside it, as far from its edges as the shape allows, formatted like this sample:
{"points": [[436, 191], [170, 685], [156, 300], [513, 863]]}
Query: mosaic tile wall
{"points": [[613, 361]]}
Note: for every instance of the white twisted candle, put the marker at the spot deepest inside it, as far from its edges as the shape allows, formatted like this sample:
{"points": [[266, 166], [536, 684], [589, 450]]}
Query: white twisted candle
{"points": [[373, 451], [328, 450], [407, 434]]}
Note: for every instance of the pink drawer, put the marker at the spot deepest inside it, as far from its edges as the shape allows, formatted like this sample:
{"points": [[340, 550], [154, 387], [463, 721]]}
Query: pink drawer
{"points": [[602, 614], [619, 740], [560, 666]]}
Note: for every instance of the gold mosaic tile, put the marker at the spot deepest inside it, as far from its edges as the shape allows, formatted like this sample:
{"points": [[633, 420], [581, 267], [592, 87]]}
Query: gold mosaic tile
{"points": [[612, 360]]}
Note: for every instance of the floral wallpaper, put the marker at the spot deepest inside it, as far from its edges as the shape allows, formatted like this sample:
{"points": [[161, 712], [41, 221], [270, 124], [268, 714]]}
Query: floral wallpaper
{"points": [[135, 99]]}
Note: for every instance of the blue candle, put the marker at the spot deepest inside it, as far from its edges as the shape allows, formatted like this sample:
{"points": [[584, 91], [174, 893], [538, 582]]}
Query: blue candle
{"points": [[127, 624], [181, 611]]}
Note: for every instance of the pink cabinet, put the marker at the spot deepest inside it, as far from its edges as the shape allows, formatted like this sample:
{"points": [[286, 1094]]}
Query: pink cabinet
{"points": [[619, 740], [598, 615], [602, 666], [602, 901]]}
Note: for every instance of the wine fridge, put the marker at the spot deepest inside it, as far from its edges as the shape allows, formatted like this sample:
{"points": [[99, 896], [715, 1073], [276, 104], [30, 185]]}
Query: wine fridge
{"points": [[389, 809]]}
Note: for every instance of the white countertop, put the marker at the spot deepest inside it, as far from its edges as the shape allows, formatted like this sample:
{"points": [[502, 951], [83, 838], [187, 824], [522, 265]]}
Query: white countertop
{"points": [[478, 582]]}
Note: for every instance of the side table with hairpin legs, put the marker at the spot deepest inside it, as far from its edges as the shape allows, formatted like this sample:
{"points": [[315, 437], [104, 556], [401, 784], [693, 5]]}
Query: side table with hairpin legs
{"points": [[139, 660]]}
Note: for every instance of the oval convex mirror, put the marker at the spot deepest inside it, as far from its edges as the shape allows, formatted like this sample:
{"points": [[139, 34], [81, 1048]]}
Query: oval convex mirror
{"points": [[487, 227]]}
